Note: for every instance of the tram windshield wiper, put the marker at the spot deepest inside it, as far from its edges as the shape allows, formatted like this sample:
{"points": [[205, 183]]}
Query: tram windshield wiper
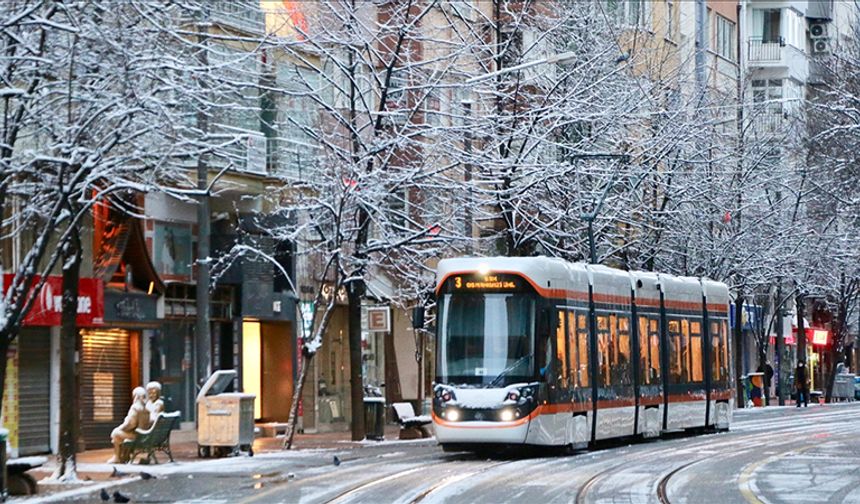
{"points": [[497, 380]]}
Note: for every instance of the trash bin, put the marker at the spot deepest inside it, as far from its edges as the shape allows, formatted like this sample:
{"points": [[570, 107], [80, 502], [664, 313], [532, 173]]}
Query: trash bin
{"points": [[224, 420], [756, 388], [374, 418]]}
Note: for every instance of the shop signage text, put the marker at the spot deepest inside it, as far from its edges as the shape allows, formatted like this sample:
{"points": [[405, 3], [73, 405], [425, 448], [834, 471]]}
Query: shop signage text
{"points": [[47, 307], [378, 319]]}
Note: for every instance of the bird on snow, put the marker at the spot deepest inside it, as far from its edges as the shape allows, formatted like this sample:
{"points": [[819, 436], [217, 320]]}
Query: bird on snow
{"points": [[104, 495], [336, 461], [146, 476], [116, 473], [118, 497]]}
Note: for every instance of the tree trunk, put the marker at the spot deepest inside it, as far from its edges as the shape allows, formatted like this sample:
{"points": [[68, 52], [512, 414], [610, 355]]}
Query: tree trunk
{"points": [[307, 357], [355, 293], [69, 413]]}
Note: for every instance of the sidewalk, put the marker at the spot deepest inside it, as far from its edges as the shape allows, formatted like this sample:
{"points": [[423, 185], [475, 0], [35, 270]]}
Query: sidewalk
{"points": [[93, 467]]}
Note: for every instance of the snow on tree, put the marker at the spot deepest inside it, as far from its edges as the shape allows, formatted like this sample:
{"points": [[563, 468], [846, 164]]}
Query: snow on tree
{"points": [[96, 108]]}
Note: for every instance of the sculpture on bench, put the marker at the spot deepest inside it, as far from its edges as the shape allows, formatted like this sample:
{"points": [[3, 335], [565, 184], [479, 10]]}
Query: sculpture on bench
{"points": [[136, 418], [152, 440], [154, 402]]}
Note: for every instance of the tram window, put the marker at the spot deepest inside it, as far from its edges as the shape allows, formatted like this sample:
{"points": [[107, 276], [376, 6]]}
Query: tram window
{"points": [[724, 339], [561, 360], [614, 359], [603, 348], [716, 351], [654, 337], [644, 364], [685, 351], [624, 350], [675, 354], [696, 351], [582, 351], [573, 365]]}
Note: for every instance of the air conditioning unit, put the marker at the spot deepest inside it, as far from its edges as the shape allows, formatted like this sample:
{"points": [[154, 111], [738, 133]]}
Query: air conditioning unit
{"points": [[820, 46], [817, 30]]}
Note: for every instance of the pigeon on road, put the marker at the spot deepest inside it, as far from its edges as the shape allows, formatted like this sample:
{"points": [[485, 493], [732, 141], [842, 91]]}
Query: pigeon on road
{"points": [[118, 497]]}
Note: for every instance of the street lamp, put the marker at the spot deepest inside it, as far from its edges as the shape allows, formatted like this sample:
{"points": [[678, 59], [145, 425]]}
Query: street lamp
{"points": [[565, 57], [590, 217]]}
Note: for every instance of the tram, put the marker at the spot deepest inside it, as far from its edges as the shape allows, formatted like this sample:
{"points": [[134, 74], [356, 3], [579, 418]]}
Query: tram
{"points": [[539, 351]]}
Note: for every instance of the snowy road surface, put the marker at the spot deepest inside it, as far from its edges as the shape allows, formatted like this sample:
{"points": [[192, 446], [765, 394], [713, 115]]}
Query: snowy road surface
{"points": [[773, 455]]}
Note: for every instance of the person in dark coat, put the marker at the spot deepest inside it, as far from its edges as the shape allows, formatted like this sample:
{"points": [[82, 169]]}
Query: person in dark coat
{"points": [[801, 384]]}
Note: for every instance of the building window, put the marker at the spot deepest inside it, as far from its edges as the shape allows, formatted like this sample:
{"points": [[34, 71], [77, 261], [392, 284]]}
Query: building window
{"points": [[635, 13], [670, 20], [766, 25], [707, 35], [725, 37], [767, 91], [767, 104]]}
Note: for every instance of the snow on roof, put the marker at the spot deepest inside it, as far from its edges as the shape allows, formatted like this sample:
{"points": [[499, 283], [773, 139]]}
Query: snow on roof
{"points": [[547, 271]]}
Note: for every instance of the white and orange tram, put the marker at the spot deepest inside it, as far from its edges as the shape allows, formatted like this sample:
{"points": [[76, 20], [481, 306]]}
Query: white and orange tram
{"points": [[539, 351]]}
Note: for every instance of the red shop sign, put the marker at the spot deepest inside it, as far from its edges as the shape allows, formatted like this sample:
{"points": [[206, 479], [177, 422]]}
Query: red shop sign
{"points": [[47, 308]]}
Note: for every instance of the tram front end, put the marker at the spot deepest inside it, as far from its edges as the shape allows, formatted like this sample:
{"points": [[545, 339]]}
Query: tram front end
{"points": [[487, 388]]}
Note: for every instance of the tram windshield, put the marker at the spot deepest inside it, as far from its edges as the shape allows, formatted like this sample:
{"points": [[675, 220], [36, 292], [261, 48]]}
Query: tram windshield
{"points": [[486, 339]]}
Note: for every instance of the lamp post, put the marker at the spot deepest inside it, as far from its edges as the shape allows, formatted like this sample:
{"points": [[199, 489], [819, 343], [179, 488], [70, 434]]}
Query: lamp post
{"points": [[590, 217]]}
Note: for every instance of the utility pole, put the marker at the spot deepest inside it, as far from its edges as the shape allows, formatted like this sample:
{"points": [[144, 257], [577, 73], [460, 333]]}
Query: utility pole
{"points": [[801, 331], [203, 340], [701, 46], [467, 176], [779, 344]]}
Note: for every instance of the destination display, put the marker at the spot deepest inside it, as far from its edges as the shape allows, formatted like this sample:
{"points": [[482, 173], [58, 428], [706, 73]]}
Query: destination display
{"points": [[492, 282]]}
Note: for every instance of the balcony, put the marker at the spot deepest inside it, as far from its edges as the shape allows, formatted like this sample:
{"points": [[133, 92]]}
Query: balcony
{"points": [[241, 150], [766, 52], [769, 123]]}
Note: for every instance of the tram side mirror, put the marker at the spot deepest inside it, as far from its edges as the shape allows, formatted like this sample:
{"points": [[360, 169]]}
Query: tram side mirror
{"points": [[418, 317]]}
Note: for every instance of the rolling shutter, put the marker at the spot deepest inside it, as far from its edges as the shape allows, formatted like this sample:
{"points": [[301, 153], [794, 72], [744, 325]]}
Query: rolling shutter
{"points": [[105, 384], [34, 382]]}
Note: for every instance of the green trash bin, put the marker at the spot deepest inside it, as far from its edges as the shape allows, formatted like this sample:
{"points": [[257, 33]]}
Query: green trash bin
{"points": [[374, 418]]}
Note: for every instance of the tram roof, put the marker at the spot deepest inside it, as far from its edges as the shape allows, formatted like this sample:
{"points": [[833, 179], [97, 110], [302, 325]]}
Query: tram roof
{"points": [[548, 270]]}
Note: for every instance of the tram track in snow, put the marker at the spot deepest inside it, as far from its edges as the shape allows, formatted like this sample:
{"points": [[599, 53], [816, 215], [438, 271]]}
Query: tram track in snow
{"points": [[663, 484], [748, 439]]}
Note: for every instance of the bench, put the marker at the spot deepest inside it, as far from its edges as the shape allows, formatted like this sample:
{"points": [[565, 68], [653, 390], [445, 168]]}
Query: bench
{"points": [[152, 440], [412, 426]]}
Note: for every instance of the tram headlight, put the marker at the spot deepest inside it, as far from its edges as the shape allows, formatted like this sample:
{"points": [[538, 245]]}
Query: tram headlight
{"points": [[452, 415], [506, 415], [513, 395]]}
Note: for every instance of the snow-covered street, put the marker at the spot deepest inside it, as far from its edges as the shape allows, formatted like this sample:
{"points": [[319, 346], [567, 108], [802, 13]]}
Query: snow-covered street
{"points": [[770, 455]]}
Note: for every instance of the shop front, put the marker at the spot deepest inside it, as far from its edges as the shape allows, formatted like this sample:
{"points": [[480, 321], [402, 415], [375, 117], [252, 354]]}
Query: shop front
{"points": [[111, 362], [268, 349], [31, 396]]}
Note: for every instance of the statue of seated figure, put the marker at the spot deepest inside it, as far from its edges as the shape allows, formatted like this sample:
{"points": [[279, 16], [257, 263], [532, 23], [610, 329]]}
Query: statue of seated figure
{"points": [[136, 418], [154, 402]]}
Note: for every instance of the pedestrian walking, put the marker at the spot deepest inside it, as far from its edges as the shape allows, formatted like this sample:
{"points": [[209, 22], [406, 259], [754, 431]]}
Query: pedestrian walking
{"points": [[801, 384]]}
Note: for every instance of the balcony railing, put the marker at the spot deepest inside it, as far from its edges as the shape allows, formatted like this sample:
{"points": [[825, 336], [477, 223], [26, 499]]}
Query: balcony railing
{"points": [[761, 51]]}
